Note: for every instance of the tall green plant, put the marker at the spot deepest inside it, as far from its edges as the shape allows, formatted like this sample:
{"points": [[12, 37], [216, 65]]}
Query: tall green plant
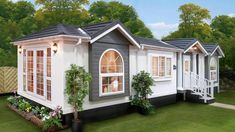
{"points": [[141, 84], [77, 86]]}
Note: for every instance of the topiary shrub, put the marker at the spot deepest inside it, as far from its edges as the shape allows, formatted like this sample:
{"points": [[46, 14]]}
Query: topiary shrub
{"points": [[141, 84]]}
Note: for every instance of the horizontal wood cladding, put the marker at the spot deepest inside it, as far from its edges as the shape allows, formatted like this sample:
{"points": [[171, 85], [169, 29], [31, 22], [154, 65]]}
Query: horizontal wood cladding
{"points": [[113, 40]]}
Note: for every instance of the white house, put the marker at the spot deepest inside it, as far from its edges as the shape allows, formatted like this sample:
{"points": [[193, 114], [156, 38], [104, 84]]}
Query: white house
{"points": [[113, 55]]}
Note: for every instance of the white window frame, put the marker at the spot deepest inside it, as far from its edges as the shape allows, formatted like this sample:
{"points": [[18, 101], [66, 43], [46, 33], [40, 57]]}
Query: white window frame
{"points": [[213, 71], [34, 93], [110, 75], [165, 77]]}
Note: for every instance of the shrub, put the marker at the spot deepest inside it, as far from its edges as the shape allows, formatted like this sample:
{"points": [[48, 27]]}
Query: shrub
{"points": [[77, 86], [53, 119], [14, 100], [141, 84], [24, 105]]}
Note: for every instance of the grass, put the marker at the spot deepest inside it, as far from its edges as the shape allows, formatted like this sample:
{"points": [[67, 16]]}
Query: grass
{"points": [[227, 97], [180, 117]]}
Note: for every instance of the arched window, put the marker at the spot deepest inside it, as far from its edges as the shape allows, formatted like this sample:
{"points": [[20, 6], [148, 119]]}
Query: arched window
{"points": [[111, 73], [213, 69]]}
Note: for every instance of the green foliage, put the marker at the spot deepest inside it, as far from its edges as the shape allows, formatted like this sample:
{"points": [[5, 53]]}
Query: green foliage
{"points": [[12, 100], [141, 84], [24, 105], [192, 23], [50, 122], [102, 11], [53, 119], [77, 86], [51, 12]]}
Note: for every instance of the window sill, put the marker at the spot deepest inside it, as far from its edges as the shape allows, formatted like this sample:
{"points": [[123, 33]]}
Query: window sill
{"points": [[110, 94], [161, 79]]}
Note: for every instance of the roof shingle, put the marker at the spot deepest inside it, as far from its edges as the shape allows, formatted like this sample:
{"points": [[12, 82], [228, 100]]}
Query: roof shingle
{"points": [[154, 42], [183, 43], [59, 29]]}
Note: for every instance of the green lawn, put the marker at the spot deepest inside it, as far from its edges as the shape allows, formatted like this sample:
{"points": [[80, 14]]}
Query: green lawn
{"points": [[180, 117], [227, 97]]}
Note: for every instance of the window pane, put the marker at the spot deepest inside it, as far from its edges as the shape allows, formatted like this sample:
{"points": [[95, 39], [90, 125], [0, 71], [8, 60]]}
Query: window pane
{"points": [[168, 66], [48, 89], [213, 75], [24, 60], [30, 71], [155, 66], [111, 62], [48, 62], [112, 84], [40, 79], [186, 66], [161, 66]]}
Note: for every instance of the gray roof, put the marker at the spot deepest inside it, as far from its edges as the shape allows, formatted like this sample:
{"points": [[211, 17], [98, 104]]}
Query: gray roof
{"points": [[59, 29], [154, 42], [96, 29], [62, 29], [210, 47], [183, 43]]}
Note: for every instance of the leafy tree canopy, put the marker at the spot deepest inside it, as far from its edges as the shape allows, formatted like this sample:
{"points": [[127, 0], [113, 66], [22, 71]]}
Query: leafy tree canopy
{"points": [[101, 11], [193, 23]]}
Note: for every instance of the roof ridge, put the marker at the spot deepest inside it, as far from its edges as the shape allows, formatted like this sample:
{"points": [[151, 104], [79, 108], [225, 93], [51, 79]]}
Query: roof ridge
{"points": [[96, 24]]}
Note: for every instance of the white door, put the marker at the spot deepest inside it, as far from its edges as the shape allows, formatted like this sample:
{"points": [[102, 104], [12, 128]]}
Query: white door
{"points": [[186, 71]]}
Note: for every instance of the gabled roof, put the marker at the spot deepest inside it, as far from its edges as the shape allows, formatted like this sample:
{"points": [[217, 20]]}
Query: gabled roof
{"points": [[155, 43], [59, 29], [183, 43], [211, 48], [187, 43], [96, 31]]}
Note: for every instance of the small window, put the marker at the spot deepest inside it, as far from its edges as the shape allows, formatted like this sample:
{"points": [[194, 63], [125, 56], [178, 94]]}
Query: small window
{"points": [[213, 69], [168, 66], [186, 66], [161, 66], [111, 73]]}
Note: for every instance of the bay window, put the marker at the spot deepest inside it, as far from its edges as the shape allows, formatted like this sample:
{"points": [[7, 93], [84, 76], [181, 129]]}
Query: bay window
{"points": [[161, 66], [111, 73], [37, 68]]}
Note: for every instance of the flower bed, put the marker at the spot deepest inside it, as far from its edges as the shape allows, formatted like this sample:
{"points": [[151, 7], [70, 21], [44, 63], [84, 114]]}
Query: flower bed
{"points": [[48, 120]]}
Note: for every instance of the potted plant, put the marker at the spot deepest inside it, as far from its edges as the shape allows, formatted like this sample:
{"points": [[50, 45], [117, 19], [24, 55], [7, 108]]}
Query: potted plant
{"points": [[77, 86], [141, 84]]}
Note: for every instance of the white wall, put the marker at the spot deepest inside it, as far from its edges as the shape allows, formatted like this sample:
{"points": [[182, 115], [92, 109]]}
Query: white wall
{"points": [[79, 55], [56, 64], [140, 60], [69, 54]]}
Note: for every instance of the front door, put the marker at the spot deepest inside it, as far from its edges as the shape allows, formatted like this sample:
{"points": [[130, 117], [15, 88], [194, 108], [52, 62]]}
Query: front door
{"points": [[186, 71]]}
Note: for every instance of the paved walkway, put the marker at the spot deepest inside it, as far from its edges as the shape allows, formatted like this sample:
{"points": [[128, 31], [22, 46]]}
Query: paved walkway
{"points": [[225, 106]]}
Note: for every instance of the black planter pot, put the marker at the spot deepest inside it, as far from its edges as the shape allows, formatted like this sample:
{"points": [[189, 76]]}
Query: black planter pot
{"points": [[68, 120], [77, 126], [142, 111]]}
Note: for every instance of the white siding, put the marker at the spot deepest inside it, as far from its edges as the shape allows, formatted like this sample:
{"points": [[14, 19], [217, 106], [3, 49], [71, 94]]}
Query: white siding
{"points": [[142, 60]]}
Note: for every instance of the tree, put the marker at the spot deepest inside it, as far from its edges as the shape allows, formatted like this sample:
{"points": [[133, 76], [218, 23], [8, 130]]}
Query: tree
{"points": [[61, 11], [11, 15], [77, 86], [101, 11], [192, 23], [224, 24]]}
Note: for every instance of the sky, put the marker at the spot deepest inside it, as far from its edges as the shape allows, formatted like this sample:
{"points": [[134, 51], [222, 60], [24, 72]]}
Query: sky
{"points": [[162, 16]]}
